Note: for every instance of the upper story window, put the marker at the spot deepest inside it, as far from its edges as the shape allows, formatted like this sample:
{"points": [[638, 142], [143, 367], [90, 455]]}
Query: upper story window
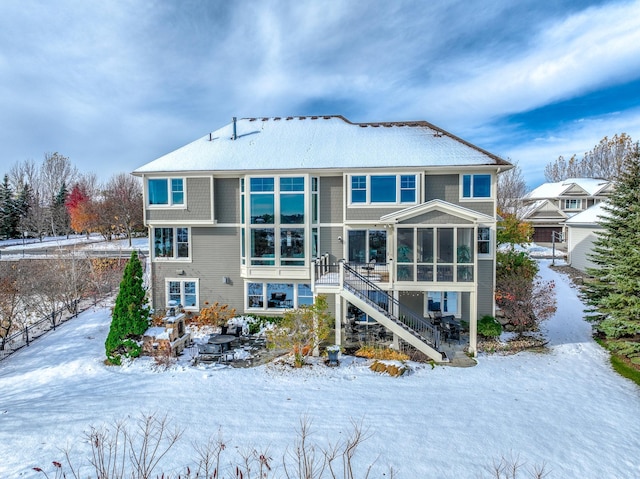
{"points": [[166, 191], [292, 200], [262, 200], [573, 204], [275, 204], [383, 189], [171, 243], [476, 186]]}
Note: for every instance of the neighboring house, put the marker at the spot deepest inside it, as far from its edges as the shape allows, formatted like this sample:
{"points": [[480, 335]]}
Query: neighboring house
{"points": [[394, 220], [582, 231], [549, 205]]}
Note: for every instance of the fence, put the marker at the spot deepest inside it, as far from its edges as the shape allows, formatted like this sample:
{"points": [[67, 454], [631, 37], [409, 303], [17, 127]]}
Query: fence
{"points": [[33, 331]]}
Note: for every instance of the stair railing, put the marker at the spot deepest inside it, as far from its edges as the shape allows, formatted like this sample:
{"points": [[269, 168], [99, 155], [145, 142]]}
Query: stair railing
{"points": [[369, 292]]}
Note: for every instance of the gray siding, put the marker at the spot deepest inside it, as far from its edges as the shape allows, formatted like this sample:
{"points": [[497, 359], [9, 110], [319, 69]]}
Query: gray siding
{"points": [[413, 302], [198, 204], [485, 287], [442, 187], [329, 243], [434, 218], [218, 254], [331, 199], [227, 200], [447, 188], [372, 214]]}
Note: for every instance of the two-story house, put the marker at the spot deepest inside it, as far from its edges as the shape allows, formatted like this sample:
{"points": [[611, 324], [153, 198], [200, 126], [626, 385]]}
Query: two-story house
{"points": [[549, 205], [395, 220]]}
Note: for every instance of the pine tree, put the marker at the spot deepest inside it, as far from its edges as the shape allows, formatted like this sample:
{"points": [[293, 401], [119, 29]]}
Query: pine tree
{"points": [[130, 317], [615, 295], [8, 212]]}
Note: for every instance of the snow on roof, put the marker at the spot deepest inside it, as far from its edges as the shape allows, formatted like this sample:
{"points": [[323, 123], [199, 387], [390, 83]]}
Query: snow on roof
{"points": [[590, 216], [321, 142], [553, 190]]}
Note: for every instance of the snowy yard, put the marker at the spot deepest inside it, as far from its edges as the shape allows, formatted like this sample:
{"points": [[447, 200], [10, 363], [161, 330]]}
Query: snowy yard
{"points": [[565, 408]]}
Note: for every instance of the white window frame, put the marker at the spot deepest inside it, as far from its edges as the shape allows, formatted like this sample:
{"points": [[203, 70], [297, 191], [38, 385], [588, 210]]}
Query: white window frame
{"points": [[569, 201], [471, 197], [399, 189], [175, 244], [182, 281], [489, 241], [170, 203], [265, 299], [457, 314], [277, 226]]}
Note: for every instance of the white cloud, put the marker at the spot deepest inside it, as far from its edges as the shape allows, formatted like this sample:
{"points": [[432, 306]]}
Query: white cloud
{"points": [[596, 47], [575, 138]]}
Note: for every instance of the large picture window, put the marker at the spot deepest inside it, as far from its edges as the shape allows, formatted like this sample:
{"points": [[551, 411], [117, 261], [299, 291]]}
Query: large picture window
{"points": [[171, 243], [277, 220], [278, 296], [166, 191], [383, 189]]}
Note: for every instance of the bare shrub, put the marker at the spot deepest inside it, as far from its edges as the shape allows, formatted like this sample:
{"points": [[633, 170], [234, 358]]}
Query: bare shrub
{"points": [[136, 451], [512, 467]]}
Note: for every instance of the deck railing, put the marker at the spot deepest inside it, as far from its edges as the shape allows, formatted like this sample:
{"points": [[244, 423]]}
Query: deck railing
{"points": [[368, 291]]}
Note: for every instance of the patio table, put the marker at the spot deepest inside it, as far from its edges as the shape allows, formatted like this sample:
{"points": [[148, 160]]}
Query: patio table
{"points": [[223, 340]]}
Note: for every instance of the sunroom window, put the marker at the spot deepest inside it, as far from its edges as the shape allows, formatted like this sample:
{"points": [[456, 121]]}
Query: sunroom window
{"points": [[435, 254]]}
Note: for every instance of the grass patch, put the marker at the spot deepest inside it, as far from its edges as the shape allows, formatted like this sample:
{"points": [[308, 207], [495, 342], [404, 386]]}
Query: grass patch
{"points": [[620, 363], [625, 369]]}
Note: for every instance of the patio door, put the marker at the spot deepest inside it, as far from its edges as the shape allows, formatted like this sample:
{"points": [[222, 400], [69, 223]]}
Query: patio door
{"points": [[366, 246]]}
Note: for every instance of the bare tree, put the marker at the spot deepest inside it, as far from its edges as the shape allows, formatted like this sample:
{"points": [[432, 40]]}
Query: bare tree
{"points": [[511, 190], [56, 171], [123, 202], [10, 299], [605, 160], [45, 289]]}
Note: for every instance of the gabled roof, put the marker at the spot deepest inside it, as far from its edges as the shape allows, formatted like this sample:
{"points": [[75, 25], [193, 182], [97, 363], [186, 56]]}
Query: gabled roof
{"points": [[321, 142], [540, 205], [436, 205], [589, 217], [590, 186]]}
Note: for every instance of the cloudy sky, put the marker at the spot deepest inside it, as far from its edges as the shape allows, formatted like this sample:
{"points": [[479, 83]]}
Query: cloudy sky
{"points": [[115, 84]]}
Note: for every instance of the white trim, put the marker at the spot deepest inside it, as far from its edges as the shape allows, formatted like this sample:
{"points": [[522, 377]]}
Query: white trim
{"points": [[347, 177], [181, 280], [175, 258], [169, 204], [492, 193]]}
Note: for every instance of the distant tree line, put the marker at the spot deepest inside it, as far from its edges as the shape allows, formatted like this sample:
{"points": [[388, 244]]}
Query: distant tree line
{"points": [[37, 288], [605, 160], [54, 199]]}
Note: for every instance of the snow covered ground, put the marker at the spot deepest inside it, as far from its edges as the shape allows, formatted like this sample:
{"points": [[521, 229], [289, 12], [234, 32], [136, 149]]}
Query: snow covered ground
{"points": [[565, 408], [16, 248]]}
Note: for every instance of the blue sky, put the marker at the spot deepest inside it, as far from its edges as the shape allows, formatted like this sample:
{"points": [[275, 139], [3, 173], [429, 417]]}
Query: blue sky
{"points": [[116, 84]]}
